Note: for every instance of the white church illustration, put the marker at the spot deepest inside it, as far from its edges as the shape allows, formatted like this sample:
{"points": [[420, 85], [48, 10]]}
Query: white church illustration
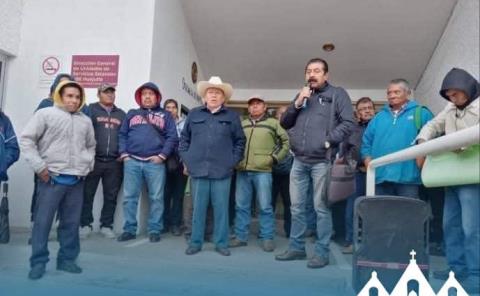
{"points": [[412, 274]]}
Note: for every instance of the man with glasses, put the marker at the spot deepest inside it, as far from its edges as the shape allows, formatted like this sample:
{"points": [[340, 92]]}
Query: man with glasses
{"points": [[321, 117]]}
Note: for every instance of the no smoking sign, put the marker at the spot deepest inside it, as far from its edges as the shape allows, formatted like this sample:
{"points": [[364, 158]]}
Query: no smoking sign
{"points": [[50, 65]]}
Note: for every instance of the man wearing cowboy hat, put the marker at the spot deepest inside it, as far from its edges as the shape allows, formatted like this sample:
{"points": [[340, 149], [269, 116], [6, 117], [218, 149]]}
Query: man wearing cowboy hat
{"points": [[267, 144], [211, 144]]}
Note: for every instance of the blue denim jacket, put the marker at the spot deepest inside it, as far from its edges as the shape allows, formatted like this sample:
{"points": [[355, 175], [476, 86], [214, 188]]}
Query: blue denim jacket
{"points": [[211, 145]]}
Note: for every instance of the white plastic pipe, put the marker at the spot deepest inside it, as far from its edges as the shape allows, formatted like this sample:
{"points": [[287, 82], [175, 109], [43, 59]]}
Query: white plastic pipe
{"points": [[457, 140]]}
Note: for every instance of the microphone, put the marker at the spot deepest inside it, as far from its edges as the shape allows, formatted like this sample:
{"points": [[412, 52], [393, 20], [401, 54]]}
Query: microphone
{"points": [[304, 105]]}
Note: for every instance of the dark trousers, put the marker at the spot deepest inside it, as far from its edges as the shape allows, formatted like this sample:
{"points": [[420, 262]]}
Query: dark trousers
{"points": [[67, 200], [360, 190], [281, 185], [111, 174], [173, 198]]}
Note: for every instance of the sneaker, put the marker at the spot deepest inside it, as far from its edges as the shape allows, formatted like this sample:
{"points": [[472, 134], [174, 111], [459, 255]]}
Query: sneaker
{"points": [[347, 249], [291, 255], [444, 274], [222, 251], [107, 232], [68, 266], [154, 237], [126, 236], [471, 285], [268, 245], [317, 262], [37, 272], [234, 243], [176, 230], [192, 250], [85, 231]]}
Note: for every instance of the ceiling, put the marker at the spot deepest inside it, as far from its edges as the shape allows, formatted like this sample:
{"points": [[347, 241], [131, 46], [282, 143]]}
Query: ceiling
{"points": [[264, 44]]}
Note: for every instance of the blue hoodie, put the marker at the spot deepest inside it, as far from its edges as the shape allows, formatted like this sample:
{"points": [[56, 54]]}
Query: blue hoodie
{"points": [[387, 133], [9, 151], [139, 138]]}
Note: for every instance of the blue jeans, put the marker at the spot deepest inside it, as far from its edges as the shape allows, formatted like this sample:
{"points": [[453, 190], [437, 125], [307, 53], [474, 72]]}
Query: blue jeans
{"points": [[397, 189], [360, 189], [67, 200], [262, 184], [311, 215], [302, 175], [218, 191], [135, 172], [461, 228]]}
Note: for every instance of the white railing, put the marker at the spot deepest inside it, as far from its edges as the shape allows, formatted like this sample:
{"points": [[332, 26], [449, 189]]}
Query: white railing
{"points": [[462, 138]]}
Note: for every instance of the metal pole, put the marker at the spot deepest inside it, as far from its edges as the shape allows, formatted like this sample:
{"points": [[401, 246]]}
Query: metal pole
{"points": [[457, 140]]}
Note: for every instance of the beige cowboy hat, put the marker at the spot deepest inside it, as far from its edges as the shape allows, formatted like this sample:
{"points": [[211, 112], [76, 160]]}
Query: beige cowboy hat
{"points": [[215, 82]]}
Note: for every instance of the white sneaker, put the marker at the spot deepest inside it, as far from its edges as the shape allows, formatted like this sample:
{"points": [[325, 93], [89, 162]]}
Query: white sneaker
{"points": [[85, 232], [107, 232]]}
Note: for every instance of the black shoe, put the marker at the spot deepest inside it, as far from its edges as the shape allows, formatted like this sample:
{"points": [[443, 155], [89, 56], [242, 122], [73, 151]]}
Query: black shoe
{"points": [[154, 237], [444, 274], [222, 251], [68, 266], [126, 236], [176, 230], [291, 255], [36, 272], [192, 250], [317, 262]]}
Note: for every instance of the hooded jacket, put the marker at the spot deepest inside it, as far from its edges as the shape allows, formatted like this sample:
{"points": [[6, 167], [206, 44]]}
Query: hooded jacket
{"points": [[141, 139], [387, 133], [60, 141], [314, 124], [453, 118], [9, 151], [48, 102]]}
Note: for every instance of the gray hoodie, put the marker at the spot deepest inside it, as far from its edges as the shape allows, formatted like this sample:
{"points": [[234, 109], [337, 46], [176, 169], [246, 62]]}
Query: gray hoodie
{"points": [[60, 141]]}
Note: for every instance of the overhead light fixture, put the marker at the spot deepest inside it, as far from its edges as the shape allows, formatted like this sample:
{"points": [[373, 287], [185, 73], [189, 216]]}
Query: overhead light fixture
{"points": [[328, 47]]}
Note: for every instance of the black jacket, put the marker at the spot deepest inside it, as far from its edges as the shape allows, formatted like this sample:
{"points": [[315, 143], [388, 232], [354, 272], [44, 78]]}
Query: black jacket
{"points": [[211, 145], [106, 126], [314, 124]]}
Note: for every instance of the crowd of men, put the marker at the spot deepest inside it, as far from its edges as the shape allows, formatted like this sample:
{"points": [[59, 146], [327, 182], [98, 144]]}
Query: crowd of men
{"points": [[71, 147]]}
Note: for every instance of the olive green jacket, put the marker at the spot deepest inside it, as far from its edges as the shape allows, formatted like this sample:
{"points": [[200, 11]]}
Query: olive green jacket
{"points": [[267, 144]]}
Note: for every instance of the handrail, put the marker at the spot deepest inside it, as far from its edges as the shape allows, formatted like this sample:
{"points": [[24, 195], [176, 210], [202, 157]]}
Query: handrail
{"points": [[453, 141]]}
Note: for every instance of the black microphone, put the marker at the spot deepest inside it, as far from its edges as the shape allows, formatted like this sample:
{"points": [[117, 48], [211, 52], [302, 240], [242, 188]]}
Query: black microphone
{"points": [[306, 98]]}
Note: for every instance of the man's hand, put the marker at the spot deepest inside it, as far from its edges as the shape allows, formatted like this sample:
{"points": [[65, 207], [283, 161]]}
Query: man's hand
{"points": [[367, 161], [304, 93], [185, 171], [44, 176], [155, 159]]}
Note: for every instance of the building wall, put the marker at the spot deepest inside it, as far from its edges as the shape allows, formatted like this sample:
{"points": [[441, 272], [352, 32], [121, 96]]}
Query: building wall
{"points": [[105, 27], [10, 23], [458, 47], [173, 53]]}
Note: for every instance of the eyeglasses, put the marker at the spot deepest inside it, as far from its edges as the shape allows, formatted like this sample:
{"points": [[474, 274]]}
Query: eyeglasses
{"points": [[316, 71]]}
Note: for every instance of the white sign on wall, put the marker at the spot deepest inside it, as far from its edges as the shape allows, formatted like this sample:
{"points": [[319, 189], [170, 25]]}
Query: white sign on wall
{"points": [[49, 67]]}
